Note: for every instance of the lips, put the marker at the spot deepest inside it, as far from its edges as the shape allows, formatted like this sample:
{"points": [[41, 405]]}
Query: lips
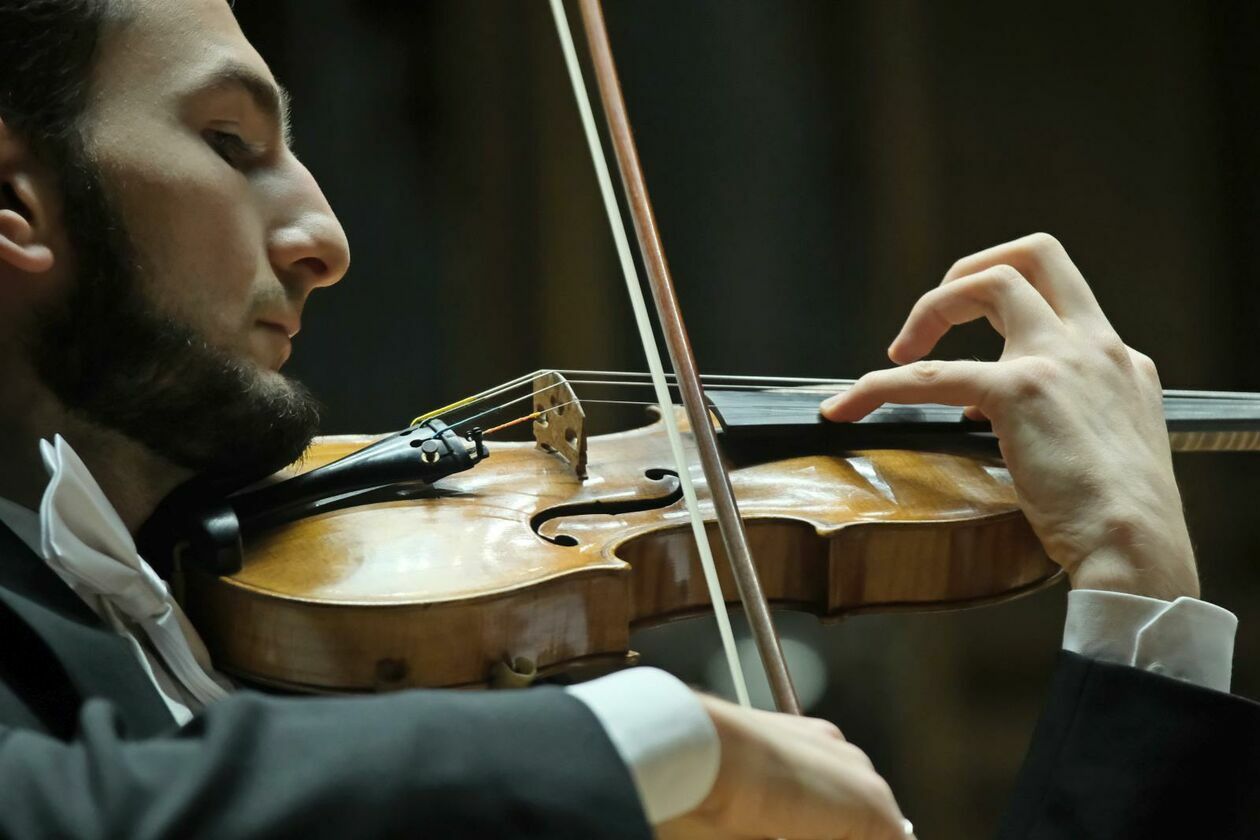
{"points": [[290, 327], [272, 345]]}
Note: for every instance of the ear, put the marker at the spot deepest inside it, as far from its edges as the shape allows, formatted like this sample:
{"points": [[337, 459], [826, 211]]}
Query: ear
{"points": [[26, 197]]}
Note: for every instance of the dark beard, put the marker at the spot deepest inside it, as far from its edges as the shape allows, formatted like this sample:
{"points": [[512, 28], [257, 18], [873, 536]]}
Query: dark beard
{"points": [[113, 360]]}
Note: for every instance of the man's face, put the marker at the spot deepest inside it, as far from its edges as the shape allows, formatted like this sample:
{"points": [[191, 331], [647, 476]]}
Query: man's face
{"points": [[221, 236]]}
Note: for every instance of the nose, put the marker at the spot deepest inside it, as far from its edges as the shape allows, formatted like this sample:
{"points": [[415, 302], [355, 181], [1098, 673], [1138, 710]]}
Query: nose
{"points": [[308, 247]]}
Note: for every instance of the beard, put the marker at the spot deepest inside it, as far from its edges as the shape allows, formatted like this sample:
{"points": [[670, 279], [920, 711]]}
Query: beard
{"points": [[112, 359]]}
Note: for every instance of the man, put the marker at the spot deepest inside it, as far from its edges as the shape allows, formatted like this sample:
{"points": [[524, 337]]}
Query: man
{"points": [[157, 243], [158, 240]]}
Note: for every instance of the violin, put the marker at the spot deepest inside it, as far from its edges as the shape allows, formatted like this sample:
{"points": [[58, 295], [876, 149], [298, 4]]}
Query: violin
{"points": [[538, 560], [440, 556]]}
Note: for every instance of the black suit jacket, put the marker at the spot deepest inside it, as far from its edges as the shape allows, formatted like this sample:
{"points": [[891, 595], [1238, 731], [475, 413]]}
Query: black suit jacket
{"points": [[1123, 753], [88, 749]]}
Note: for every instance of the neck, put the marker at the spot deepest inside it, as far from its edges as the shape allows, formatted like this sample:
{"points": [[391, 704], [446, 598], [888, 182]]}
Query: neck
{"points": [[133, 477]]}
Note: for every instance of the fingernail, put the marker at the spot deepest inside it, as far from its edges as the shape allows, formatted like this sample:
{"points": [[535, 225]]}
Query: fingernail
{"points": [[831, 403]]}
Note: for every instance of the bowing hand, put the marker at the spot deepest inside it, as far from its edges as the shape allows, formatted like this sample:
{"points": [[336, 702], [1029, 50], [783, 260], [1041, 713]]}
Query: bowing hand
{"points": [[1077, 413], [790, 777]]}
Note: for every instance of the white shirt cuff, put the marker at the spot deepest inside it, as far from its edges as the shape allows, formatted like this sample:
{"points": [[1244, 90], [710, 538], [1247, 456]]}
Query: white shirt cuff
{"points": [[663, 734], [1187, 639]]}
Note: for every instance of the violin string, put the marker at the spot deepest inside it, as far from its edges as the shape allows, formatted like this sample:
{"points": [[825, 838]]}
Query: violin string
{"points": [[713, 377], [791, 380], [500, 407], [534, 415], [771, 410], [553, 386], [641, 375], [736, 387], [490, 393], [591, 382], [735, 382], [1237, 396], [1224, 396], [738, 383], [481, 397], [495, 391], [521, 381], [493, 430], [539, 413]]}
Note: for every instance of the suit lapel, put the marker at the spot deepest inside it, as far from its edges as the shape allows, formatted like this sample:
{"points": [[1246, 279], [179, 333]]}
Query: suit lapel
{"points": [[95, 661]]}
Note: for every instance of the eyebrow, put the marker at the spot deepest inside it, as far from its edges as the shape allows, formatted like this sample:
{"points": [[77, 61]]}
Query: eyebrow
{"points": [[269, 97]]}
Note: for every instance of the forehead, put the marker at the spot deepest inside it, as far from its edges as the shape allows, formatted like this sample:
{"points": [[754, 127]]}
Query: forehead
{"points": [[161, 47]]}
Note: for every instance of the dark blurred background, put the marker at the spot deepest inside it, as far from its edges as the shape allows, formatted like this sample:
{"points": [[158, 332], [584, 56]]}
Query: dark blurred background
{"points": [[815, 167]]}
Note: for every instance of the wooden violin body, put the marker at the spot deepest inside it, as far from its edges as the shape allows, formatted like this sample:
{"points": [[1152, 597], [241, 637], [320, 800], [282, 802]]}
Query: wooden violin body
{"points": [[519, 567]]}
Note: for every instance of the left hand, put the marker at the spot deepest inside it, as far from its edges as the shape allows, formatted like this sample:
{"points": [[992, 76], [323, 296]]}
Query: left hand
{"points": [[1078, 414]]}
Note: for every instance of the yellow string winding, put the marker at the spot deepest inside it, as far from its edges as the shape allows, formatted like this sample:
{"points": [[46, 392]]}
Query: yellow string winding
{"points": [[439, 411]]}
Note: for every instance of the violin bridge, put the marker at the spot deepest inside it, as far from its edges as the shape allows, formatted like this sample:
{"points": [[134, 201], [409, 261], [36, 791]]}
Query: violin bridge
{"points": [[560, 426]]}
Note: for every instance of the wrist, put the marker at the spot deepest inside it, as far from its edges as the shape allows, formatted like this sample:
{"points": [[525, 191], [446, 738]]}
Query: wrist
{"points": [[720, 712], [1157, 566]]}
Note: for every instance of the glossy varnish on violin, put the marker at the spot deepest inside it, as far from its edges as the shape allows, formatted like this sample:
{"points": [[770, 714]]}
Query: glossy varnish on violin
{"points": [[442, 589]]}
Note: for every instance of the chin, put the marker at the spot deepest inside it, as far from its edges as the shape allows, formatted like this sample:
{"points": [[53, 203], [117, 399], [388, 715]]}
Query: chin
{"points": [[277, 384], [272, 374], [267, 368]]}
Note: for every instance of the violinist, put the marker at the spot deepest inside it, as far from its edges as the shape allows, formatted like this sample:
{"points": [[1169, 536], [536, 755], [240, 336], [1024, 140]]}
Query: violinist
{"points": [[158, 240]]}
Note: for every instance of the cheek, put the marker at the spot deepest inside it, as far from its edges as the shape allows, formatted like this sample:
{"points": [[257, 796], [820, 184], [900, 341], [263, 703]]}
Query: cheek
{"points": [[198, 237]]}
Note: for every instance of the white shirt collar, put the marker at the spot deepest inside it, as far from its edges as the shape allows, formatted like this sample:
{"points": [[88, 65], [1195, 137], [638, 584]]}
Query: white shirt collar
{"points": [[83, 540]]}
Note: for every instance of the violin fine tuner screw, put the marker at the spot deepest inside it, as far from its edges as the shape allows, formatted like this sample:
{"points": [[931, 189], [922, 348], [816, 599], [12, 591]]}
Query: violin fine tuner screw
{"points": [[474, 437], [430, 451]]}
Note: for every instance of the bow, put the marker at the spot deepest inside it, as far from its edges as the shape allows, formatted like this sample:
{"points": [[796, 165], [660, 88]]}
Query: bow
{"points": [[669, 315]]}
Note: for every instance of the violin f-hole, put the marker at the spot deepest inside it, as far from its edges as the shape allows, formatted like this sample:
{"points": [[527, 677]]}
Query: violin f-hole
{"points": [[608, 507]]}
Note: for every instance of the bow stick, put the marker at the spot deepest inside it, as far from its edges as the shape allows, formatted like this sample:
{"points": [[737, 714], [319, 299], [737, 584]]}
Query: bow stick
{"points": [[731, 527]]}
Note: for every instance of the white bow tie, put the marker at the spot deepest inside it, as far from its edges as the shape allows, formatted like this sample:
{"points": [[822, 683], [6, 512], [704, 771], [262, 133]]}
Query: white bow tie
{"points": [[86, 543]]}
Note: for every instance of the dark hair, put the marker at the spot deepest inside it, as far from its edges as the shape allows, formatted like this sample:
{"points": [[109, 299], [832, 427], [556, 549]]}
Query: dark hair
{"points": [[47, 50]]}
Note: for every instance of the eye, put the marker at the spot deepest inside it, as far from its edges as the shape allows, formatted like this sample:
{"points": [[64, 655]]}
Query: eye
{"points": [[235, 150]]}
